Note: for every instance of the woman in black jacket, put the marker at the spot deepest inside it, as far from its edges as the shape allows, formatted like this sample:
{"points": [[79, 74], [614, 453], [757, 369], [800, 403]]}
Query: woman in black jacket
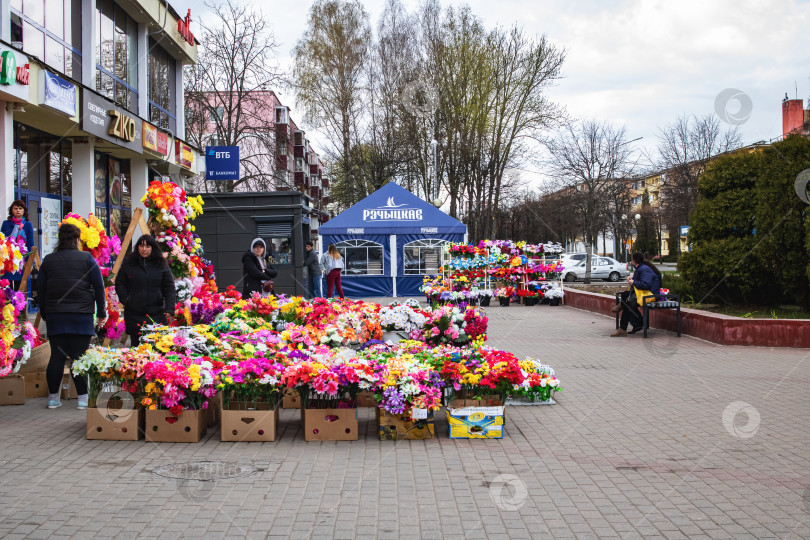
{"points": [[70, 289], [145, 286], [256, 268]]}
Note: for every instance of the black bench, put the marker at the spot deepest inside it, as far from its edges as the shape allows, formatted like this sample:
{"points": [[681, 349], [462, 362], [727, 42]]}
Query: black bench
{"points": [[671, 301]]}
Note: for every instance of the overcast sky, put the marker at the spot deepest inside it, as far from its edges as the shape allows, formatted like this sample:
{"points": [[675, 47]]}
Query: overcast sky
{"points": [[638, 63]]}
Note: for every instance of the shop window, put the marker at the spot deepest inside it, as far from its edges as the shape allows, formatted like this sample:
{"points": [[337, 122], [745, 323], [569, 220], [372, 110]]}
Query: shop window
{"points": [[117, 55], [113, 192], [361, 257], [49, 30], [162, 73], [423, 256], [41, 164]]}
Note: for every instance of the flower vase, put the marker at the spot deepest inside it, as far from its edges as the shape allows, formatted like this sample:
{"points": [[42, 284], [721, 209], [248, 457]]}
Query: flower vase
{"points": [[504, 301], [529, 301], [485, 301], [554, 301]]}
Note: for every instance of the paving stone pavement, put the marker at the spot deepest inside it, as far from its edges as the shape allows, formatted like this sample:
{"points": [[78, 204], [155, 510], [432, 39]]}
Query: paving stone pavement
{"points": [[655, 438]]}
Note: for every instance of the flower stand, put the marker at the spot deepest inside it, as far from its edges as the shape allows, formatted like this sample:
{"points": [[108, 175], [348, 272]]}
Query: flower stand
{"points": [[255, 424], [395, 427], [12, 390], [329, 424], [163, 426], [109, 424]]}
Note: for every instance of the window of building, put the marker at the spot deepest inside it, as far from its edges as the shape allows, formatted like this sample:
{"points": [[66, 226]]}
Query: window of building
{"points": [[113, 188], [51, 31], [423, 256], [116, 55], [361, 257], [162, 73], [217, 114]]}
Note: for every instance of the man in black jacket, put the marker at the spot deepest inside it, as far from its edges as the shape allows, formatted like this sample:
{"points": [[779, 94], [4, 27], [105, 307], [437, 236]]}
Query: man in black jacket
{"points": [[314, 268], [256, 268]]}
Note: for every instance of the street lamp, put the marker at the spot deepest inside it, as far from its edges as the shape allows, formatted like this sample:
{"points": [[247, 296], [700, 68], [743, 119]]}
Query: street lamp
{"points": [[435, 144]]}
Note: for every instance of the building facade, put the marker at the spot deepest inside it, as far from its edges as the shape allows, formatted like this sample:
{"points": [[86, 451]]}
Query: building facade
{"points": [[91, 107]]}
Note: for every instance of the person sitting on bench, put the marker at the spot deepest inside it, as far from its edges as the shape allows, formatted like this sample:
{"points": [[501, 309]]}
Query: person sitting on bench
{"points": [[646, 277]]}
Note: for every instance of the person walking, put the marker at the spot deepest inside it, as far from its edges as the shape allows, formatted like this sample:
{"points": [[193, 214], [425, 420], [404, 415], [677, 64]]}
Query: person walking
{"points": [[69, 286], [332, 264], [314, 269], [258, 272], [145, 286], [645, 277], [18, 228]]}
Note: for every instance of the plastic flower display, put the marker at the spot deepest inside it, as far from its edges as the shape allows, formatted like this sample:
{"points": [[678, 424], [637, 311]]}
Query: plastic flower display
{"points": [[404, 317], [94, 238], [177, 383], [17, 337], [11, 254], [539, 383], [476, 373]]}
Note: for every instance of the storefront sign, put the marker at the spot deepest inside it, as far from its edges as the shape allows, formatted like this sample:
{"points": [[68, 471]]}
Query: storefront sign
{"points": [[684, 230], [183, 155], [392, 212], [155, 140], [184, 28], [222, 163], [58, 94], [104, 119], [51, 216], [10, 72]]}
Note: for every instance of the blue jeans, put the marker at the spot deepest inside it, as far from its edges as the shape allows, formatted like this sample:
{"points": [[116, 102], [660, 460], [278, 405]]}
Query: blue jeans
{"points": [[314, 281]]}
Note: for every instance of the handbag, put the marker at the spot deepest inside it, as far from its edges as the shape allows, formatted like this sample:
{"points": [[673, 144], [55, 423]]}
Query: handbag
{"points": [[268, 286], [640, 294]]}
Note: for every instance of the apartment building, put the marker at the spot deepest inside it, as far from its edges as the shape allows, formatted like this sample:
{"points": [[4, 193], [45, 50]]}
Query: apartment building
{"points": [[91, 106]]}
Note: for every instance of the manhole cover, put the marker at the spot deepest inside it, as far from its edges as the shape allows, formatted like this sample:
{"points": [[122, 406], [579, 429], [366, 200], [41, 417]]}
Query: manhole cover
{"points": [[205, 471]]}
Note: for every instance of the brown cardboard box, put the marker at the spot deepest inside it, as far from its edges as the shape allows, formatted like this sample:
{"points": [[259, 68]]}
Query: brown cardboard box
{"points": [[68, 386], [12, 390], [329, 424], [259, 424], [366, 399], [40, 356], [163, 426], [212, 412], [36, 385], [108, 424], [461, 403], [292, 399], [393, 427], [493, 400]]}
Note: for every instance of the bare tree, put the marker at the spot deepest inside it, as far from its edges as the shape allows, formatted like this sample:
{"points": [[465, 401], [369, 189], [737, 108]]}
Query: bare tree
{"points": [[227, 92], [329, 76], [591, 157], [685, 148]]}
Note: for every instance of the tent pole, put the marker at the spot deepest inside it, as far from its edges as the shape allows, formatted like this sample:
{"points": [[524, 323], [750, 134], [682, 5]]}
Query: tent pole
{"points": [[392, 246]]}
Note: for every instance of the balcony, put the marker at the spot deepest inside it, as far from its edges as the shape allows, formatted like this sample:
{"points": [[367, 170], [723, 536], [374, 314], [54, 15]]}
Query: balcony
{"points": [[282, 115], [299, 179], [325, 182], [314, 191], [298, 138]]}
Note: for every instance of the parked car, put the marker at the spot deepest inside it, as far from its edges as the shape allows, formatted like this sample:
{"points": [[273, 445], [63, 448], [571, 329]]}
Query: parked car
{"points": [[601, 268]]}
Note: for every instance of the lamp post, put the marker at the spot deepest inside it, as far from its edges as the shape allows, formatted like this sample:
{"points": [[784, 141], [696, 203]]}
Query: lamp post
{"points": [[435, 144]]}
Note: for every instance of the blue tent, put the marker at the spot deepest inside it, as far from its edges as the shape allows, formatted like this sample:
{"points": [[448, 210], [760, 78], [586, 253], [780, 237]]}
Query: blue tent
{"points": [[389, 240]]}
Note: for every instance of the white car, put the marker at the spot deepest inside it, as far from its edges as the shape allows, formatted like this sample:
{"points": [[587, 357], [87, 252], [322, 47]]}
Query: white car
{"points": [[601, 268]]}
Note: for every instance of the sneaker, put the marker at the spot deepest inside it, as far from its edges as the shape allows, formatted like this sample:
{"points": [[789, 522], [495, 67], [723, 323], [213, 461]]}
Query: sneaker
{"points": [[619, 333], [54, 404], [617, 308], [81, 405]]}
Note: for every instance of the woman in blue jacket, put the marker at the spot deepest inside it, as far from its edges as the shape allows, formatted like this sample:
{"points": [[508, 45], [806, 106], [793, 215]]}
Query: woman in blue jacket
{"points": [[18, 227], [646, 277]]}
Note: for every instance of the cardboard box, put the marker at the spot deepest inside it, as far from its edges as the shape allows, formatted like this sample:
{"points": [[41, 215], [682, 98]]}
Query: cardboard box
{"points": [[292, 399], [12, 390], [107, 424], [462, 403], [163, 426], [40, 357], [256, 425], [68, 389], [329, 424], [366, 399], [475, 423], [212, 412], [36, 385], [393, 427]]}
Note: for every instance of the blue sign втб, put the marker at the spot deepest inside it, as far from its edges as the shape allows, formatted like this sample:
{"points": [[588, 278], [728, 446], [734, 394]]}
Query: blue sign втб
{"points": [[222, 163]]}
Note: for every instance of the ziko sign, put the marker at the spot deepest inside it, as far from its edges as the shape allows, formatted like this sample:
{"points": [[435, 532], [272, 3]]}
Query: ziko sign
{"points": [[392, 212], [107, 121]]}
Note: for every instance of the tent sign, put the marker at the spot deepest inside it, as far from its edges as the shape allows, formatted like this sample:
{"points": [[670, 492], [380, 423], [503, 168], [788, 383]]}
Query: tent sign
{"points": [[392, 212]]}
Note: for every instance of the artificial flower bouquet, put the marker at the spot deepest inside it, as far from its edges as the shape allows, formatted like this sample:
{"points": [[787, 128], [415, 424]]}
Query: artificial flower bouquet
{"points": [[94, 238], [197, 340], [179, 382], [117, 372], [484, 376], [11, 254], [539, 383], [444, 325], [408, 393], [402, 316], [17, 337], [505, 292], [251, 383], [553, 291]]}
